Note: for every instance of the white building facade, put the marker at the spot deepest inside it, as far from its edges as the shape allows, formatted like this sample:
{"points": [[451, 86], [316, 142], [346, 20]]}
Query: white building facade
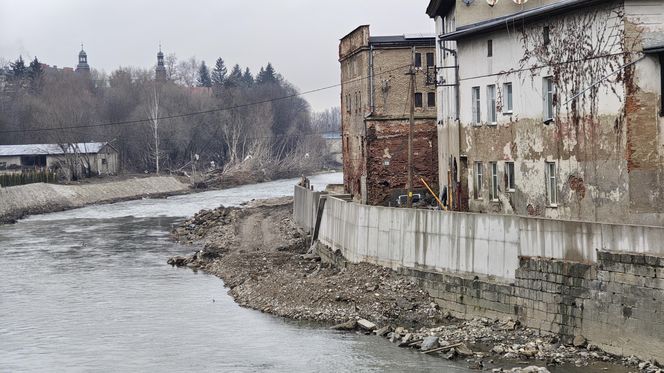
{"points": [[552, 108]]}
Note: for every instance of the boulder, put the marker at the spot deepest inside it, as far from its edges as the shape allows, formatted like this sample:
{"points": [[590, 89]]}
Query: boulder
{"points": [[579, 341], [463, 350], [429, 343]]}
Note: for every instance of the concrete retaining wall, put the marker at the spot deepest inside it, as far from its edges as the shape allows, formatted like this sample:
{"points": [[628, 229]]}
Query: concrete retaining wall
{"points": [[481, 244], [305, 207], [36, 198]]}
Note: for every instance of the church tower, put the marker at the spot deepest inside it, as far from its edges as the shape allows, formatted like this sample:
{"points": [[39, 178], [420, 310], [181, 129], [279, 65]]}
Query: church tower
{"points": [[160, 71], [82, 62]]}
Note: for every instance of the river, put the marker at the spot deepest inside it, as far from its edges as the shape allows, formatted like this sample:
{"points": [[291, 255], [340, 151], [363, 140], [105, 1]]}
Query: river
{"points": [[89, 290]]}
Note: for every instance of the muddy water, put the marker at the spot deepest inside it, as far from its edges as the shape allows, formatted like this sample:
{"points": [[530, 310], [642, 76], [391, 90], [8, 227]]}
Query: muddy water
{"points": [[89, 290]]}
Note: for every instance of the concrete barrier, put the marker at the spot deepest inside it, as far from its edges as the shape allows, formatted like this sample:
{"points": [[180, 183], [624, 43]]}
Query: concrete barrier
{"points": [[482, 244], [305, 207]]}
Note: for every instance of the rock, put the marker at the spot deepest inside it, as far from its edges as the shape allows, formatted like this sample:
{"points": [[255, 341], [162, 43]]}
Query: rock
{"points": [[579, 341], [498, 350], [463, 350], [383, 331], [348, 325], [450, 355], [429, 343], [366, 324], [399, 330]]}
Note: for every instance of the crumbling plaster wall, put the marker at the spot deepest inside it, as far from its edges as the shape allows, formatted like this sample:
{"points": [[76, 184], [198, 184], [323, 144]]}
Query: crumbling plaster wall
{"points": [[589, 137]]}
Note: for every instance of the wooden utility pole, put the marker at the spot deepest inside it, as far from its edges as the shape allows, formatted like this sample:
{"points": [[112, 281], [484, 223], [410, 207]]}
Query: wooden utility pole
{"points": [[411, 92]]}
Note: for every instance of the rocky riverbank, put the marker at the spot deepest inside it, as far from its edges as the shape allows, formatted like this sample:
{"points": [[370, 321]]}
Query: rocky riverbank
{"points": [[263, 258]]}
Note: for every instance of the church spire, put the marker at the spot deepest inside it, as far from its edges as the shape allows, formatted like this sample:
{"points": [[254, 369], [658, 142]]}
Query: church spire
{"points": [[82, 61], [160, 71]]}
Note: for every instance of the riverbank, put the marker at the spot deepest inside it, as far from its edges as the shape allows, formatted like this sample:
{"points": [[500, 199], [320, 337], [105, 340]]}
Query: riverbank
{"points": [[20, 201], [263, 258]]}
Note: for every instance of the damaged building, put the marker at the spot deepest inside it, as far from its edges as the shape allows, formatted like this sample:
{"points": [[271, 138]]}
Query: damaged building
{"points": [[375, 105], [552, 108]]}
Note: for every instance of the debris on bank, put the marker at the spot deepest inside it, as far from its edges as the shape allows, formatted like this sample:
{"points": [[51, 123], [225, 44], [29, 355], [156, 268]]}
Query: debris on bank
{"points": [[263, 258]]}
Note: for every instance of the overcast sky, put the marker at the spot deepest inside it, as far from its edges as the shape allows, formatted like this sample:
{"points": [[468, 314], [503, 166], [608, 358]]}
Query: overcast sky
{"points": [[299, 37]]}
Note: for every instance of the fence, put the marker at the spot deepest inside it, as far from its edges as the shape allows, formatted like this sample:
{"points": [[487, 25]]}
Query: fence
{"points": [[27, 177]]}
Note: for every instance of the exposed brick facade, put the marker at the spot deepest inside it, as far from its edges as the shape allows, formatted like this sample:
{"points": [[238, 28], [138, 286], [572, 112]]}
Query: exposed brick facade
{"points": [[375, 99]]}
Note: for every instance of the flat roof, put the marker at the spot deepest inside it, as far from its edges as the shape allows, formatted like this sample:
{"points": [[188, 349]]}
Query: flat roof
{"points": [[51, 149]]}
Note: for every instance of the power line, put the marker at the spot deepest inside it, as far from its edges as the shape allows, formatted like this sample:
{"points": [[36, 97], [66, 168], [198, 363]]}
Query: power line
{"points": [[189, 114]]}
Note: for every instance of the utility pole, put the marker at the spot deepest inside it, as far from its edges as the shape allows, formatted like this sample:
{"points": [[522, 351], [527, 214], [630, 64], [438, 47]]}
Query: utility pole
{"points": [[411, 92]]}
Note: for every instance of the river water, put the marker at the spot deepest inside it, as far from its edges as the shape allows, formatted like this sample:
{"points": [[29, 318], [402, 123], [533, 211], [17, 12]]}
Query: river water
{"points": [[89, 290]]}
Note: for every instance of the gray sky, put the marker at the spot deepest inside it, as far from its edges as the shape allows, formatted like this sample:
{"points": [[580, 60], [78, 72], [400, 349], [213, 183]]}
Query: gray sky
{"points": [[299, 37]]}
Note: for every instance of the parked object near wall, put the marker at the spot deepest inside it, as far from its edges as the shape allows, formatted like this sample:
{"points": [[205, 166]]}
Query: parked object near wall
{"points": [[552, 108]]}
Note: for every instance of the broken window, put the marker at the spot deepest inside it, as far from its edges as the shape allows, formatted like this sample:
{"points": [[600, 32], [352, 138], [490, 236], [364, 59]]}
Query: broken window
{"points": [[476, 105], [549, 90], [507, 104], [478, 180], [509, 177], [551, 187], [431, 99], [430, 60], [494, 181], [418, 59], [489, 48], [491, 104], [418, 99]]}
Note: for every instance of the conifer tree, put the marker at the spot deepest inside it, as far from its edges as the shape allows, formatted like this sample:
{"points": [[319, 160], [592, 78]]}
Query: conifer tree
{"points": [[204, 79]]}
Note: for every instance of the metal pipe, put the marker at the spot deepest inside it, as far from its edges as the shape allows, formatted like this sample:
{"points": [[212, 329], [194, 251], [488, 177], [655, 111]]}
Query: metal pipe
{"points": [[433, 194], [372, 104]]}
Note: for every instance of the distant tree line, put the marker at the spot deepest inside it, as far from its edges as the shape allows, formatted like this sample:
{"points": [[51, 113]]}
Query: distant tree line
{"points": [[281, 131]]}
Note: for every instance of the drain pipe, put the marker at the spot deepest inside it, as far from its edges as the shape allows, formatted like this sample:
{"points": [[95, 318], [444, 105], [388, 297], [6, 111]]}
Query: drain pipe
{"points": [[371, 80]]}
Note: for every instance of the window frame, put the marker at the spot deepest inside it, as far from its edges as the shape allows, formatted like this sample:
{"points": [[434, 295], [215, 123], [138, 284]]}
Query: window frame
{"points": [[419, 100], [418, 59], [549, 95], [479, 179], [476, 106], [430, 102], [510, 185], [493, 191], [431, 60], [546, 35], [491, 112], [551, 184], [489, 48], [508, 94]]}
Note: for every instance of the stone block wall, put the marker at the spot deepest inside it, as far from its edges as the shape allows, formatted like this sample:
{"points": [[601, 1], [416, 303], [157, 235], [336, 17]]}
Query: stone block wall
{"points": [[616, 304]]}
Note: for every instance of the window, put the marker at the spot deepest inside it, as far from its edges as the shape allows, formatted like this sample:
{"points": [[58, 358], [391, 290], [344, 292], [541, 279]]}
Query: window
{"points": [[494, 181], [549, 90], [3, 165], [489, 48], [418, 99], [430, 61], [348, 103], [509, 177], [491, 104], [418, 59], [545, 35], [103, 161], [431, 99], [478, 180], [551, 192], [476, 105], [507, 93]]}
